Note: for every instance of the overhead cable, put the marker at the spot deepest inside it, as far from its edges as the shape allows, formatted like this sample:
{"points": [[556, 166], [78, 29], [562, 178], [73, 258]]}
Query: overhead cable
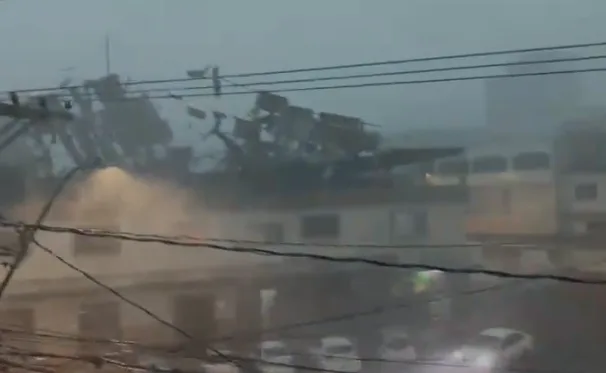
{"points": [[247, 85], [172, 96], [319, 257], [343, 66]]}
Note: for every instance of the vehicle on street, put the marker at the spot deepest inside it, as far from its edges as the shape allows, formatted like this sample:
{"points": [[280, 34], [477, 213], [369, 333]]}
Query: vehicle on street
{"points": [[276, 357], [397, 347], [338, 354], [494, 348]]}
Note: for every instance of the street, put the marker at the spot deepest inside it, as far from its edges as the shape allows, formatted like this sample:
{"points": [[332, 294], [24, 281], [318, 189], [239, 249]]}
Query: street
{"points": [[564, 319]]}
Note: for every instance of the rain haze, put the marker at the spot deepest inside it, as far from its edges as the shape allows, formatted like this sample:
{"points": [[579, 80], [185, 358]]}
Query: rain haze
{"points": [[160, 210]]}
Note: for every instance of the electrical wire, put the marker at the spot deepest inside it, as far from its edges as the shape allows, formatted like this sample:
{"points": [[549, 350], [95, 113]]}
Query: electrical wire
{"points": [[26, 235], [125, 299], [95, 232], [232, 358], [348, 66], [229, 358], [373, 75], [366, 75], [278, 329], [380, 84], [98, 361], [172, 95], [319, 257]]}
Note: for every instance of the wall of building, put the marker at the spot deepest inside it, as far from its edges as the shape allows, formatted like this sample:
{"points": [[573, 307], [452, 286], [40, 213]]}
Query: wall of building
{"points": [[125, 263], [517, 196]]}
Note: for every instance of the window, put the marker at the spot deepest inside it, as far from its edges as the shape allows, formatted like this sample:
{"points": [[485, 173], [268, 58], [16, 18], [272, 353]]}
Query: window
{"points": [[530, 161], [87, 245], [339, 350], [586, 192], [489, 164], [453, 167], [100, 320], [409, 224], [485, 341], [321, 226]]}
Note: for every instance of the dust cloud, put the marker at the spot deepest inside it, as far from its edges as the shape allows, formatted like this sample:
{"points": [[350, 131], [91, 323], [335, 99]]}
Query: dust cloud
{"points": [[115, 199]]}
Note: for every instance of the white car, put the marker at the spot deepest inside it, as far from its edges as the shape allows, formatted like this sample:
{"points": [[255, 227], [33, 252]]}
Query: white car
{"points": [[339, 354], [397, 347], [494, 348], [276, 356]]}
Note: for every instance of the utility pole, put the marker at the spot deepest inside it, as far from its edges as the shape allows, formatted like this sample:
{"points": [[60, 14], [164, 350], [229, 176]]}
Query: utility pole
{"points": [[30, 113]]}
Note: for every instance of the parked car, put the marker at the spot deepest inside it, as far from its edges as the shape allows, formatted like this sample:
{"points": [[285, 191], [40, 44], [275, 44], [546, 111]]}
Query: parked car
{"points": [[276, 357], [397, 347], [494, 348], [338, 354]]}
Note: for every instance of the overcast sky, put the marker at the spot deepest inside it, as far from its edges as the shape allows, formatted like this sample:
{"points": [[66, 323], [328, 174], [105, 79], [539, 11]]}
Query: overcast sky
{"points": [[163, 38]]}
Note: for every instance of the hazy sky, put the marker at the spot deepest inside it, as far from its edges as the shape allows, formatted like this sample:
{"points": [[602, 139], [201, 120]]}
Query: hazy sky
{"points": [[162, 39]]}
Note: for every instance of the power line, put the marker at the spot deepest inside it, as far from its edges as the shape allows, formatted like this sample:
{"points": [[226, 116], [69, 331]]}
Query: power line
{"points": [[281, 328], [95, 232], [386, 84], [378, 74], [320, 257], [344, 66], [367, 85], [26, 235], [127, 300], [419, 59], [98, 361]]}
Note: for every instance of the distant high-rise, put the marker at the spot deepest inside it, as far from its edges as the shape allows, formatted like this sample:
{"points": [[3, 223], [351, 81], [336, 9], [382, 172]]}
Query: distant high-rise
{"points": [[540, 102]]}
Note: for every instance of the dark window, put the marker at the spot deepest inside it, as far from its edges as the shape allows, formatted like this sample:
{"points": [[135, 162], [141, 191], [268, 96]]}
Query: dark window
{"points": [[531, 161], [87, 245], [489, 164], [586, 192], [321, 226], [100, 320], [455, 167], [485, 341]]}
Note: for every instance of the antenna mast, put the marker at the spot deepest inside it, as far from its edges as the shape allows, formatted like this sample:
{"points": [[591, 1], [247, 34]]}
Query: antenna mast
{"points": [[107, 55]]}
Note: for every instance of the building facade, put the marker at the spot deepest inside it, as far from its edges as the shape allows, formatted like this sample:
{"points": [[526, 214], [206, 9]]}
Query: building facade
{"points": [[212, 293]]}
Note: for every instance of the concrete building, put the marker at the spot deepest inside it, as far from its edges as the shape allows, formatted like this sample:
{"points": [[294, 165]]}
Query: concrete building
{"points": [[211, 292]]}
